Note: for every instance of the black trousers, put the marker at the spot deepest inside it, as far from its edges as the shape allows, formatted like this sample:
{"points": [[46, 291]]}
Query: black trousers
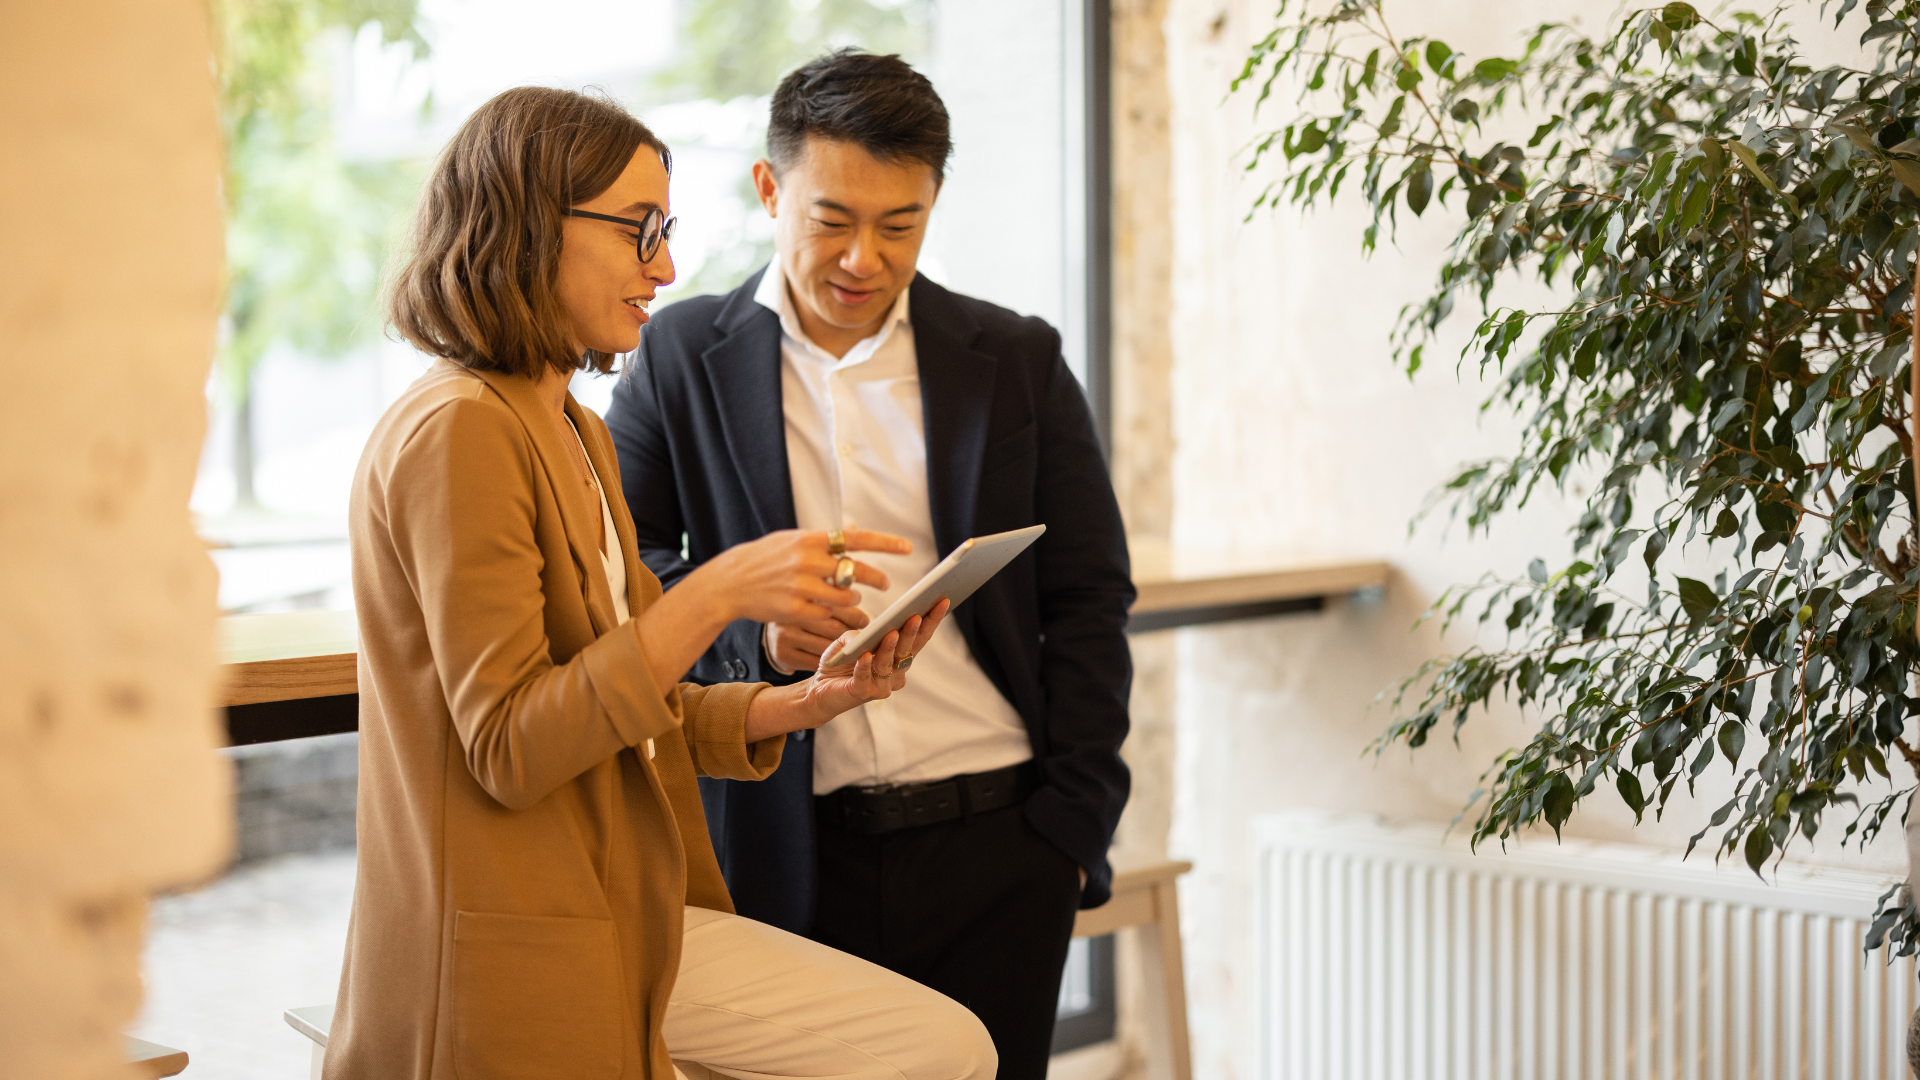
{"points": [[981, 911]]}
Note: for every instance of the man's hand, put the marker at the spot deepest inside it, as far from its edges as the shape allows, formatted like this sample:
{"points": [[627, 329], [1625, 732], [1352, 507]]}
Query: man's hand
{"points": [[799, 646]]}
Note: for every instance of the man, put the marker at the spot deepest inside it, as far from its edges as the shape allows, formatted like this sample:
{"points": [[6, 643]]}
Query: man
{"points": [[951, 833]]}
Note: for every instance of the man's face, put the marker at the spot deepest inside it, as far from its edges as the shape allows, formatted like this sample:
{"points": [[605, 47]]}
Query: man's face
{"points": [[848, 229]]}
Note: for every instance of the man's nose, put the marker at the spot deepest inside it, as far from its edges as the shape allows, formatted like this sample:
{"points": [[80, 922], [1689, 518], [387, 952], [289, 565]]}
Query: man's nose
{"points": [[862, 257]]}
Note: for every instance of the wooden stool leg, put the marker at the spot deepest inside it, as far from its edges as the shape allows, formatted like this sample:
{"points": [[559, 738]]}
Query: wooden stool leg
{"points": [[1168, 1056], [319, 1058]]}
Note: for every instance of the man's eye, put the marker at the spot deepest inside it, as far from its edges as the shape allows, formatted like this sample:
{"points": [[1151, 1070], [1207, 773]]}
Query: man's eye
{"points": [[899, 230], [829, 224]]}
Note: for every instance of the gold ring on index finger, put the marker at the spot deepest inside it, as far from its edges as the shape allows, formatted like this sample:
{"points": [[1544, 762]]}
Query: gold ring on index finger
{"points": [[903, 663], [837, 543], [843, 573]]}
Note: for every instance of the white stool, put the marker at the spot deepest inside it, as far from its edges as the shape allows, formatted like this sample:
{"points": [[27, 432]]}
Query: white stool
{"points": [[313, 1022], [151, 1061]]}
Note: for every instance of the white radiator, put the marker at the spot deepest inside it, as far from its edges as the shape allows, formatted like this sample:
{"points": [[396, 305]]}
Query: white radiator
{"points": [[1386, 953]]}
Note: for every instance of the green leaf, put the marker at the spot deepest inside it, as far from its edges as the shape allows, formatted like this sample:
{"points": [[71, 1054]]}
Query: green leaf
{"points": [[1696, 205], [1759, 845], [1716, 158], [1583, 360], [1907, 172], [1629, 786], [1882, 29], [1407, 77], [1419, 187], [1733, 739], [1656, 543], [1493, 69], [1557, 804], [1752, 162], [1679, 16], [1438, 56], [1698, 598], [1392, 123], [1662, 33]]}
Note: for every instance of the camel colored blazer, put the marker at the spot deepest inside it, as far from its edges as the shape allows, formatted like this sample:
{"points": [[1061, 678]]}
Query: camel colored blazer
{"points": [[524, 865]]}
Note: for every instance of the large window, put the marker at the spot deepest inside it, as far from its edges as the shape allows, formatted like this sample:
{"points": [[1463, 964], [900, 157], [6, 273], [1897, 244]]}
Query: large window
{"points": [[334, 124]]}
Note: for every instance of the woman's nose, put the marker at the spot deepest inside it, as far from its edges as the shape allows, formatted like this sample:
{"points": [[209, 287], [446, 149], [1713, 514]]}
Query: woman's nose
{"points": [[659, 269]]}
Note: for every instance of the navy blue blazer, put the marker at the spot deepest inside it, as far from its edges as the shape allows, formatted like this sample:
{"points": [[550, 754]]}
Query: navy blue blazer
{"points": [[1010, 443]]}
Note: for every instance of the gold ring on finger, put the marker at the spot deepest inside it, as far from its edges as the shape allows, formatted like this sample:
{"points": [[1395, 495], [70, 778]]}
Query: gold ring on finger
{"points": [[837, 542], [843, 574], [903, 663]]}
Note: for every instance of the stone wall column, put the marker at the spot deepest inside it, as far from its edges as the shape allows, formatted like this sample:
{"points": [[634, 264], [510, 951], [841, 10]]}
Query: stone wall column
{"points": [[109, 291], [1142, 373]]}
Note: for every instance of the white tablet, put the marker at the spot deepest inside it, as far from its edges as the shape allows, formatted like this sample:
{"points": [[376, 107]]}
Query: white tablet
{"points": [[955, 578]]}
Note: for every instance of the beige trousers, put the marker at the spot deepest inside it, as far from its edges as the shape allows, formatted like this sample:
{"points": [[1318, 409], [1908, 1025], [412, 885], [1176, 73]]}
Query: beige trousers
{"points": [[758, 1003]]}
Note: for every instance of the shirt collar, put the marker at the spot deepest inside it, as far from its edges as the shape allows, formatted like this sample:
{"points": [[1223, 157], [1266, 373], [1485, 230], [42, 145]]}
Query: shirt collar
{"points": [[774, 296]]}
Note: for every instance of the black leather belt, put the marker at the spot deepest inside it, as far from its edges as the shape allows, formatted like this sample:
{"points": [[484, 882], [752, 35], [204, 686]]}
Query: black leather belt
{"points": [[868, 811]]}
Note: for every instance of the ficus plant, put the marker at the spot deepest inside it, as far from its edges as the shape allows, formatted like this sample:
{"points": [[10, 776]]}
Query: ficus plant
{"points": [[1726, 235]]}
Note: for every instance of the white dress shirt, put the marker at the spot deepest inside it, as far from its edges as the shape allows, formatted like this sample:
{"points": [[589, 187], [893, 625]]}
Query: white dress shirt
{"points": [[612, 560], [857, 455]]}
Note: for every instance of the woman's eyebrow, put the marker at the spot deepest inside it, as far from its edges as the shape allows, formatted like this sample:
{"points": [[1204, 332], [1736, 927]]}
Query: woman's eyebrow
{"points": [[642, 207]]}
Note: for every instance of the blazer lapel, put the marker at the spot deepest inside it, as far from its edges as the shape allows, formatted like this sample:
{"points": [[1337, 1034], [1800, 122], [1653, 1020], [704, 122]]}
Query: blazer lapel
{"points": [[956, 395], [743, 368], [579, 513]]}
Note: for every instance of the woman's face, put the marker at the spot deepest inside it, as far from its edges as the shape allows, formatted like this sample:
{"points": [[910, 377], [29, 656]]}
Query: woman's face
{"points": [[604, 288]]}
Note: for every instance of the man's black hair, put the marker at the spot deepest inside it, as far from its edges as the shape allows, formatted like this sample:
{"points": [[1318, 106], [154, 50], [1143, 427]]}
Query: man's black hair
{"points": [[878, 103]]}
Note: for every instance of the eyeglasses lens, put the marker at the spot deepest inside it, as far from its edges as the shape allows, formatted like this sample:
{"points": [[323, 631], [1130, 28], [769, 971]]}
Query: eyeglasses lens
{"points": [[655, 229]]}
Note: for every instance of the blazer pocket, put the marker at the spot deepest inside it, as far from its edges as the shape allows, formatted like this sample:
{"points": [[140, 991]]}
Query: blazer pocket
{"points": [[1016, 447], [535, 996]]}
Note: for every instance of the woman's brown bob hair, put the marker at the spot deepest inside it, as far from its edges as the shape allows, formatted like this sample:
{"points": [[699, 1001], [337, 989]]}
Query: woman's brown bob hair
{"points": [[476, 283]]}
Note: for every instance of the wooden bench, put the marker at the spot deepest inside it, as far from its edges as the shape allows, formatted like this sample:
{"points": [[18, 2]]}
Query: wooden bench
{"points": [[1144, 899], [151, 1061]]}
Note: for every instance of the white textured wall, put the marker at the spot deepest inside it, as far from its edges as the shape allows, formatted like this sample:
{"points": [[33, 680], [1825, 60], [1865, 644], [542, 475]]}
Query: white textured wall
{"points": [[1294, 434], [109, 787]]}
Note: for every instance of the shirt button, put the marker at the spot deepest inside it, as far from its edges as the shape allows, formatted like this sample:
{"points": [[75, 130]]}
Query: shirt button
{"points": [[846, 449]]}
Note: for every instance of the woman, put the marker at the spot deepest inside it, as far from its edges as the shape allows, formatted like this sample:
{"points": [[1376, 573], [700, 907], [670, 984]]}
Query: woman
{"points": [[537, 895]]}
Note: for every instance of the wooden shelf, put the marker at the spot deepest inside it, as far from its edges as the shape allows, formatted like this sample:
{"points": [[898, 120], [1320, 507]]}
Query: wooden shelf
{"points": [[1191, 588], [302, 654], [310, 657], [1194, 592]]}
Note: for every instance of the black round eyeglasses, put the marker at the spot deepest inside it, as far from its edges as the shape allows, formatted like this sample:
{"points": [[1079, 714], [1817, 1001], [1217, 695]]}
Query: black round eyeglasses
{"points": [[653, 230]]}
